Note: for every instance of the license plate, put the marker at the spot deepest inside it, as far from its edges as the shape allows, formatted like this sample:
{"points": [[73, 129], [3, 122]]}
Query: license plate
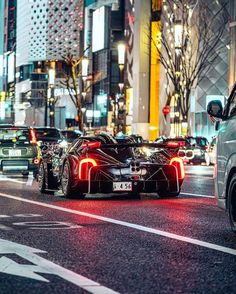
{"points": [[14, 152], [122, 186]]}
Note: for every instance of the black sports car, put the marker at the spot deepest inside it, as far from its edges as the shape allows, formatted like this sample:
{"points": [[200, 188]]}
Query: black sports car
{"points": [[100, 165]]}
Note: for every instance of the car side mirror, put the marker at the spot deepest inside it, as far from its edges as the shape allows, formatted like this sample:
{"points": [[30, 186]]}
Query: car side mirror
{"points": [[217, 125], [215, 108]]}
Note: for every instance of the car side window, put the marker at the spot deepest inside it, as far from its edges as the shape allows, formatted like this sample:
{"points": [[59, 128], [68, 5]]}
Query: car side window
{"points": [[232, 106]]}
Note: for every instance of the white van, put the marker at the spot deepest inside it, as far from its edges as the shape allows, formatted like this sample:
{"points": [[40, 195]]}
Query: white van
{"points": [[225, 167]]}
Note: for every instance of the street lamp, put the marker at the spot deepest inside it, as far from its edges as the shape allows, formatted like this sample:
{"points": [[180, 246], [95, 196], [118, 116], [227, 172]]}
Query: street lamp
{"points": [[51, 98], [121, 54], [120, 101], [84, 74], [85, 64]]}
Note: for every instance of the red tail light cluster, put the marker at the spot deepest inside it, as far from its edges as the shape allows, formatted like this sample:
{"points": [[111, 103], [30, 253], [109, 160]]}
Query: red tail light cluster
{"points": [[173, 144], [178, 163], [91, 145], [84, 166], [32, 137]]}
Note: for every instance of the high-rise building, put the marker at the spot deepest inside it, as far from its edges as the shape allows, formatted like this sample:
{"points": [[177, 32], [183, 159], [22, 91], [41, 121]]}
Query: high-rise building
{"points": [[7, 58], [108, 24], [46, 31], [103, 30]]}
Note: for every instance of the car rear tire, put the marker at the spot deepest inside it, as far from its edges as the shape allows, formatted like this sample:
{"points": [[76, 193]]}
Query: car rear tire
{"points": [[232, 203], [41, 178], [25, 173], [66, 181]]}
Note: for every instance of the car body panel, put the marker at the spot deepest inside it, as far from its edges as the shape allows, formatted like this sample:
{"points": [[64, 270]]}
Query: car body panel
{"points": [[226, 153], [225, 166]]}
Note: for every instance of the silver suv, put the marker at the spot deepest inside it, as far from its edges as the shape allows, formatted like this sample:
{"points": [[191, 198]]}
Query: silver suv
{"points": [[225, 167]]}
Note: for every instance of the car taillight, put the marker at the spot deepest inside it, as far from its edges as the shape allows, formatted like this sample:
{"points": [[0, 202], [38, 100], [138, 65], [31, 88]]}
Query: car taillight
{"points": [[178, 163], [91, 145], [32, 137], [173, 144], [181, 144], [84, 166], [36, 161]]}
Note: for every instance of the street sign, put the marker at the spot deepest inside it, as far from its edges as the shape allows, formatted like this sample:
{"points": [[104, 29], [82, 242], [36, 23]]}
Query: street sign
{"points": [[166, 110]]}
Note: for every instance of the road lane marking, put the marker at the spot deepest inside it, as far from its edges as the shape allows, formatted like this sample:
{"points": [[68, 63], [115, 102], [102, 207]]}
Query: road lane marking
{"points": [[41, 265], [48, 225], [30, 181], [197, 195], [128, 225], [199, 177], [5, 228], [6, 179]]}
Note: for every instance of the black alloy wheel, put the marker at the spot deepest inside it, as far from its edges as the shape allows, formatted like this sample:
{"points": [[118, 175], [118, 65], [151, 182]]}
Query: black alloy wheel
{"points": [[41, 178], [232, 203], [66, 183]]}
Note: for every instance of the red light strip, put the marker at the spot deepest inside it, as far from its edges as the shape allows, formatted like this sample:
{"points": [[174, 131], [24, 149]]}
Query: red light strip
{"points": [[178, 160], [91, 145], [84, 163], [32, 136]]}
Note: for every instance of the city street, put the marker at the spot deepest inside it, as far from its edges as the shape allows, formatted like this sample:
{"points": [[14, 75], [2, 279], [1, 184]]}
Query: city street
{"points": [[112, 244]]}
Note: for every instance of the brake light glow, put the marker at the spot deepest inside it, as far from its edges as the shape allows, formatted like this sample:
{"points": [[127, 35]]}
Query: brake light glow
{"points": [[84, 167], [91, 145], [181, 143], [32, 135], [36, 161], [178, 163], [173, 144]]}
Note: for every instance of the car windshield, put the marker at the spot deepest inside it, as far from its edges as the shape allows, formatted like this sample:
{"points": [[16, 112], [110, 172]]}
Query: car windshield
{"points": [[14, 135], [47, 134], [70, 135]]}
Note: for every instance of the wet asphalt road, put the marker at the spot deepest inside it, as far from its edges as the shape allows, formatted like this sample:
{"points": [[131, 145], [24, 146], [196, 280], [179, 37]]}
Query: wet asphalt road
{"points": [[114, 244]]}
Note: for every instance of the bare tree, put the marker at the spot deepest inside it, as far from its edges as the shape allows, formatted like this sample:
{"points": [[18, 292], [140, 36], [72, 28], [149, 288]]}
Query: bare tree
{"points": [[188, 45], [72, 80]]}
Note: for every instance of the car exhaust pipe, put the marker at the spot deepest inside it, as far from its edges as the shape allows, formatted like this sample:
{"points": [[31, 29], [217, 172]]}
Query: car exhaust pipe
{"points": [[186, 154]]}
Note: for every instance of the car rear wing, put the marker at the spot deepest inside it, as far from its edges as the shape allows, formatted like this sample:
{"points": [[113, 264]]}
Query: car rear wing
{"points": [[98, 144]]}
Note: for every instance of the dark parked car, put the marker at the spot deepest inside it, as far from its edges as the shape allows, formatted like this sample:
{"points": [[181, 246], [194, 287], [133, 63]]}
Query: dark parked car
{"points": [[199, 146], [192, 149], [47, 135], [19, 151], [100, 165]]}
